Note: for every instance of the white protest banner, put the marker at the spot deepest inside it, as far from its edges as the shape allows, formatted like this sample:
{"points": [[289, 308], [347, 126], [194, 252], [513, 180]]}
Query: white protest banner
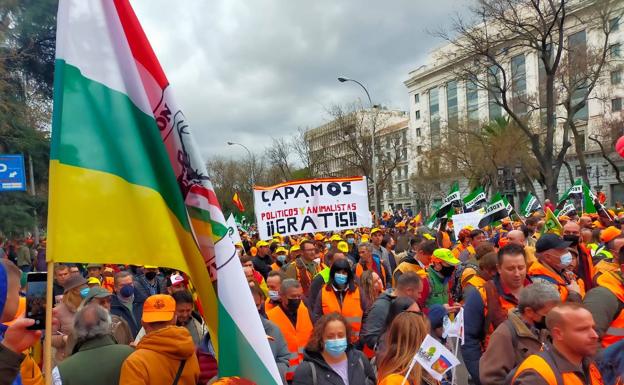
{"points": [[454, 325], [233, 229], [435, 358], [308, 206], [467, 219]]}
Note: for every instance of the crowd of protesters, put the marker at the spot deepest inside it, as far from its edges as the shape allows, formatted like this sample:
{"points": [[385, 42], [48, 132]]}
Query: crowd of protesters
{"points": [[349, 307]]}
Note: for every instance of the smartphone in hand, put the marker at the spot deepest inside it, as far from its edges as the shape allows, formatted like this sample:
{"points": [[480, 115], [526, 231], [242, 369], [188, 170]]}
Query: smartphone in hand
{"points": [[36, 299]]}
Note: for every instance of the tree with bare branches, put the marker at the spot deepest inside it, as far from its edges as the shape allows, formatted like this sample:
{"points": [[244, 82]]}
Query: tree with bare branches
{"points": [[568, 72]]}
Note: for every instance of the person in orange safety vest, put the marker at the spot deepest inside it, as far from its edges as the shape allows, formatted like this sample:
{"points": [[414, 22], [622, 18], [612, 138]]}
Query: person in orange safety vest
{"points": [[341, 295], [293, 319], [553, 257], [568, 361]]}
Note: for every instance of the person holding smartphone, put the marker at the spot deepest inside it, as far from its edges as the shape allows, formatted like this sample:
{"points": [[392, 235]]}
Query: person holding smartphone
{"points": [[75, 290], [16, 338]]}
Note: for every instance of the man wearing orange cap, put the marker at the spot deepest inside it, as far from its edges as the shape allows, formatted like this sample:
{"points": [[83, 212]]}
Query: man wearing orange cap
{"points": [[167, 352], [608, 250]]}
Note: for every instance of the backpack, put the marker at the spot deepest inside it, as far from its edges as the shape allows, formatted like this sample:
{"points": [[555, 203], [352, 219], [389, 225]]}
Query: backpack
{"points": [[457, 291]]}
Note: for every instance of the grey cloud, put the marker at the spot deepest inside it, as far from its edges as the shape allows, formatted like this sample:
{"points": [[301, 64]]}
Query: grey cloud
{"points": [[248, 70]]}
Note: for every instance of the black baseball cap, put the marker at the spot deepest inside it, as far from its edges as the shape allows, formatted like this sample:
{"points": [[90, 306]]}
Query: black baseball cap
{"points": [[550, 241]]}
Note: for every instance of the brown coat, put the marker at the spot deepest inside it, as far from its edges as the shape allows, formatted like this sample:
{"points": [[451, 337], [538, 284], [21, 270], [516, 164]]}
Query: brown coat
{"points": [[501, 356]]}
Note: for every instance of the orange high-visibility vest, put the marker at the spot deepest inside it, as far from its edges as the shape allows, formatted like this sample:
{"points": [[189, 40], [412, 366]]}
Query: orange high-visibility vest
{"points": [[296, 336], [505, 305], [359, 270], [404, 267], [268, 305], [539, 271], [541, 366], [613, 283], [351, 308], [475, 281]]}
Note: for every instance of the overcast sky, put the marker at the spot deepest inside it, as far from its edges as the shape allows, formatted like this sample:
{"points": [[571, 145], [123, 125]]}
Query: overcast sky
{"points": [[249, 70]]}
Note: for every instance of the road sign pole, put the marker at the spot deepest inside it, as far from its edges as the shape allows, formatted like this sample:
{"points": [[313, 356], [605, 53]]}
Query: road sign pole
{"points": [[31, 174]]}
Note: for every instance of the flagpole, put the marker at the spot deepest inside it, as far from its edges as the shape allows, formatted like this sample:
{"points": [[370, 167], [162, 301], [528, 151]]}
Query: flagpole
{"points": [[453, 371], [47, 342], [409, 369]]}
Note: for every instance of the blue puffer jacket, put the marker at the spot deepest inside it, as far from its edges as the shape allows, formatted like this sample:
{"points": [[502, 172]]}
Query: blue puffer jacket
{"points": [[9, 361]]}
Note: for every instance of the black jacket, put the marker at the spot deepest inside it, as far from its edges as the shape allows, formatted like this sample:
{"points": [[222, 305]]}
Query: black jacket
{"points": [[360, 370], [375, 322], [133, 319]]}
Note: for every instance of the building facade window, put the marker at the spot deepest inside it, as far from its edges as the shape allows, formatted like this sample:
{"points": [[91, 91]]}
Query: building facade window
{"points": [[417, 115], [616, 104], [416, 98], [434, 117], [614, 24], [616, 77], [519, 84], [616, 51], [418, 132], [472, 103], [451, 105], [494, 109], [577, 46]]}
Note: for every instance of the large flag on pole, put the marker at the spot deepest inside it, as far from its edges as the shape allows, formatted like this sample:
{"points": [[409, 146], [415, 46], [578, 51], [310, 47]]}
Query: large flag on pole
{"points": [[472, 201], [127, 184], [529, 205], [495, 211], [452, 199], [582, 192]]}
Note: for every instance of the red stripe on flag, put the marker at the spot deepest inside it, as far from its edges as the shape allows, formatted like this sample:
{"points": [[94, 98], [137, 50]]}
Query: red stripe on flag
{"points": [[206, 193], [139, 45]]}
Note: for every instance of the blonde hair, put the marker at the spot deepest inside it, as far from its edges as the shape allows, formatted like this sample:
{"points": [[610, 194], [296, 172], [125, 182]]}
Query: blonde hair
{"points": [[406, 334], [367, 287]]}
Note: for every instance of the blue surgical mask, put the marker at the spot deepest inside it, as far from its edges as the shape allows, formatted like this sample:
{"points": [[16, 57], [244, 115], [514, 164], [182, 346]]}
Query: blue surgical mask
{"points": [[281, 258], [84, 292], [340, 279], [350, 241], [566, 259], [328, 246], [274, 295], [336, 347]]}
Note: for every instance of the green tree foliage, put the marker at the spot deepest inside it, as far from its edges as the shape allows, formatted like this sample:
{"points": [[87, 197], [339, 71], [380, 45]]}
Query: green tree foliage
{"points": [[27, 42]]}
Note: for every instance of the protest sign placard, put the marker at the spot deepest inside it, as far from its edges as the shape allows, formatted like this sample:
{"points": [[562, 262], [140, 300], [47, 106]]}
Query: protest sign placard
{"points": [[435, 358], [233, 229], [467, 219], [308, 206]]}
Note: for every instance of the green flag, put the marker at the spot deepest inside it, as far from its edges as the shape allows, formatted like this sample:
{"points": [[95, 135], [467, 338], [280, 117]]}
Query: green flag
{"points": [[472, 201], [495, 211], [579, 191], [452, 199], [529, 205]]}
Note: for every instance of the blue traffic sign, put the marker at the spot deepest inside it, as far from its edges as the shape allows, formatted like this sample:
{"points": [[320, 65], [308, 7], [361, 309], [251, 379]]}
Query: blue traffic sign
{"points": [[12, 176]]}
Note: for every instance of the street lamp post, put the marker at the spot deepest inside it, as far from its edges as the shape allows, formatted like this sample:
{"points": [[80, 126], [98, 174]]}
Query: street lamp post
{"points": [[342, 79], [251, 159]]}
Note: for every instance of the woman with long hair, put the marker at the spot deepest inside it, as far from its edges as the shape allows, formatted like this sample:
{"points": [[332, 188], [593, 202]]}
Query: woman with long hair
{"points": [[76, 290], [406, 334], [370, 288], [398, 306], [329, 358]]}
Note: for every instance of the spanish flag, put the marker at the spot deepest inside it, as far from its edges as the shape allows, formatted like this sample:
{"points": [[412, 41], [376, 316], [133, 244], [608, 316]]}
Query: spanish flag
{"points": [[238, 203]]}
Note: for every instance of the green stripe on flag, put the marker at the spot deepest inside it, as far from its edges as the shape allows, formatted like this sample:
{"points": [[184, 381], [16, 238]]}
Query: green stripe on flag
{"points": [[203, 215], [101, 129], [236, 354]]}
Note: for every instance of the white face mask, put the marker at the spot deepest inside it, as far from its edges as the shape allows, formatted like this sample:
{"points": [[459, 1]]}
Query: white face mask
{"points": [[317, 260]]}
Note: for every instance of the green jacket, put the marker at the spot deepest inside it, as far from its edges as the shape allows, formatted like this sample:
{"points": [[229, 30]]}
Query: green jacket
{"points": [[97, 362], [439, 289]]}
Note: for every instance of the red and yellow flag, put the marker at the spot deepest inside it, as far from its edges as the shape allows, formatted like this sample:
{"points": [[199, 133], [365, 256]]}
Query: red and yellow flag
{"points": [[238, 203]]}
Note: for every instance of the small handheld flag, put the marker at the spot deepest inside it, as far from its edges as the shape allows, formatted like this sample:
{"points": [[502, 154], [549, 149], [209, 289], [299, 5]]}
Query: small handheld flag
{"points": [[238, 203]]}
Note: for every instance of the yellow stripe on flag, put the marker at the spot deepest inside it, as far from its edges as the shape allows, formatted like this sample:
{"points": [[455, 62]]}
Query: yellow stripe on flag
{"points": [[97, 217]]}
